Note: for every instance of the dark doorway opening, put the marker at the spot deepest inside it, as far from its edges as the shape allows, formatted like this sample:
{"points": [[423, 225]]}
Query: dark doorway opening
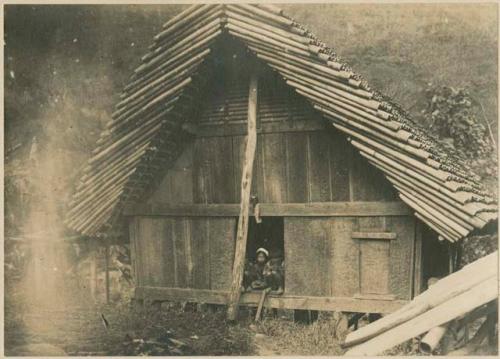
{"points": [[268, 234], [268, 272]]}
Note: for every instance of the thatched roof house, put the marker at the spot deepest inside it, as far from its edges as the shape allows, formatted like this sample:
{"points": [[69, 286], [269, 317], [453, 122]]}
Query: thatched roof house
{"points": [[335, 160]]}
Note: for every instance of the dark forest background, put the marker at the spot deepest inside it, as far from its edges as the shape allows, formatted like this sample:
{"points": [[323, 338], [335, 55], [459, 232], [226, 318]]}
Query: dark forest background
{"points": [[66, 65]]}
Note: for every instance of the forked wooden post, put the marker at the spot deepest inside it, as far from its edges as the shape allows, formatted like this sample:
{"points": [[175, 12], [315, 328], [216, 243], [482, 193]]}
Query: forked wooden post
{"points": [[246, 186]]}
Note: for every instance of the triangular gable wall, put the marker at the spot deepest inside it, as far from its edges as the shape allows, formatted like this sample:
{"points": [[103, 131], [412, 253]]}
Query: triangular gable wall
{"points": [[435, 183]]}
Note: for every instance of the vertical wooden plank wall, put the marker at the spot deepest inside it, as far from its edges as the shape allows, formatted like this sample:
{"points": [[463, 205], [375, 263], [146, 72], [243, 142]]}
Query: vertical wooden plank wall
{"points": [[184, 252]]}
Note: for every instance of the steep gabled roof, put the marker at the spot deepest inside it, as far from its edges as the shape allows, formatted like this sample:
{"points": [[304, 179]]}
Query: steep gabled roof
{"points": [[146, 129]]}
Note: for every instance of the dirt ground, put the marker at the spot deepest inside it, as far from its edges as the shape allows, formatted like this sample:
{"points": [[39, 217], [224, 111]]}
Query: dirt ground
{"points": [[73, 324], [87, 328]]}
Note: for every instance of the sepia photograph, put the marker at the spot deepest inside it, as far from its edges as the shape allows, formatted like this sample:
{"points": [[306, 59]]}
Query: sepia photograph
{"points": [[236, 179]]}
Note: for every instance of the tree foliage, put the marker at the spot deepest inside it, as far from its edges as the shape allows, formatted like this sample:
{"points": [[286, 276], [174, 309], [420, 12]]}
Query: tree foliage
{"points": [[456, 119]]}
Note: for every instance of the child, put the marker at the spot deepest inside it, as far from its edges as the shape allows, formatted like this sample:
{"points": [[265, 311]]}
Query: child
{"points": [[262, 256]]}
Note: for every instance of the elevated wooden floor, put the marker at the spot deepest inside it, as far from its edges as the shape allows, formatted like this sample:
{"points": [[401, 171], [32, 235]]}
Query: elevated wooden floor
{"points": [[360, 304]]}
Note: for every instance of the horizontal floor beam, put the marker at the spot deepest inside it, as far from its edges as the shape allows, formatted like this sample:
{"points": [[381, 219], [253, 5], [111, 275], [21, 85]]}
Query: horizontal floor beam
{"points": [[285, 301]]}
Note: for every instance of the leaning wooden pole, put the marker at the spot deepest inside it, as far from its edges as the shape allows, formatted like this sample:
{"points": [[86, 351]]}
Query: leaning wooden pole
{"points": [[246, 185]]}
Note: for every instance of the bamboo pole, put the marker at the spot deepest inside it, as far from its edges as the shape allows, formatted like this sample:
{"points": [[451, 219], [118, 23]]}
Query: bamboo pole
{"points": [[180, 71], [172, 62], [246, 185], [336, 85], [435, 227], [280, 20], [451, 223], [266, 35], [375, 131], [411, 183], [237, 30], [462, 197], [179, 30], [234, 13], [478, 295], [458, 216], [447, 288], [330, 84], [177, 20], [134, 112], [210, 27], [440, 178]]}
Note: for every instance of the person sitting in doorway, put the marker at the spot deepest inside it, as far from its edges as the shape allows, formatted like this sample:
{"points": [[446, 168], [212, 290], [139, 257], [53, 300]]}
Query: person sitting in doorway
{"points": [[264, 273], [261, 258], [274, 274]]}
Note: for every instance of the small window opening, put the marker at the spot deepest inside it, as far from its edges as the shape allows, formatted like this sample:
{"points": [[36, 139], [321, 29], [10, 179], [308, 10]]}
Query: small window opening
{"points": [[269, 236]]}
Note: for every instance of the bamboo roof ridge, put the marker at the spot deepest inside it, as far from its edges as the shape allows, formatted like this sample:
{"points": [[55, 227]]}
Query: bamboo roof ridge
{"points": [[146, 125]]}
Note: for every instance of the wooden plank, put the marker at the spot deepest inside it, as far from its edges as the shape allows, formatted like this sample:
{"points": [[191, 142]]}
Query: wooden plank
{"points": [[373, 258], [132, 223], [181, 185], [319, 167], [221, 165], [284, 126], [367, 182], [296, 157], [201, 253], [274, 161], [321, 209], [202, 182], [238, 158], [222, 244], [150, 230], [444, 290], [374, 235], [345, 258], [93, 269], [434, 316], [168, 253], [246, 186], [339, 165], [374, 267], [401, 255], [417, 267], [179, 237], [307, 244], [177, 184], [106, 268], [272, 301]]}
